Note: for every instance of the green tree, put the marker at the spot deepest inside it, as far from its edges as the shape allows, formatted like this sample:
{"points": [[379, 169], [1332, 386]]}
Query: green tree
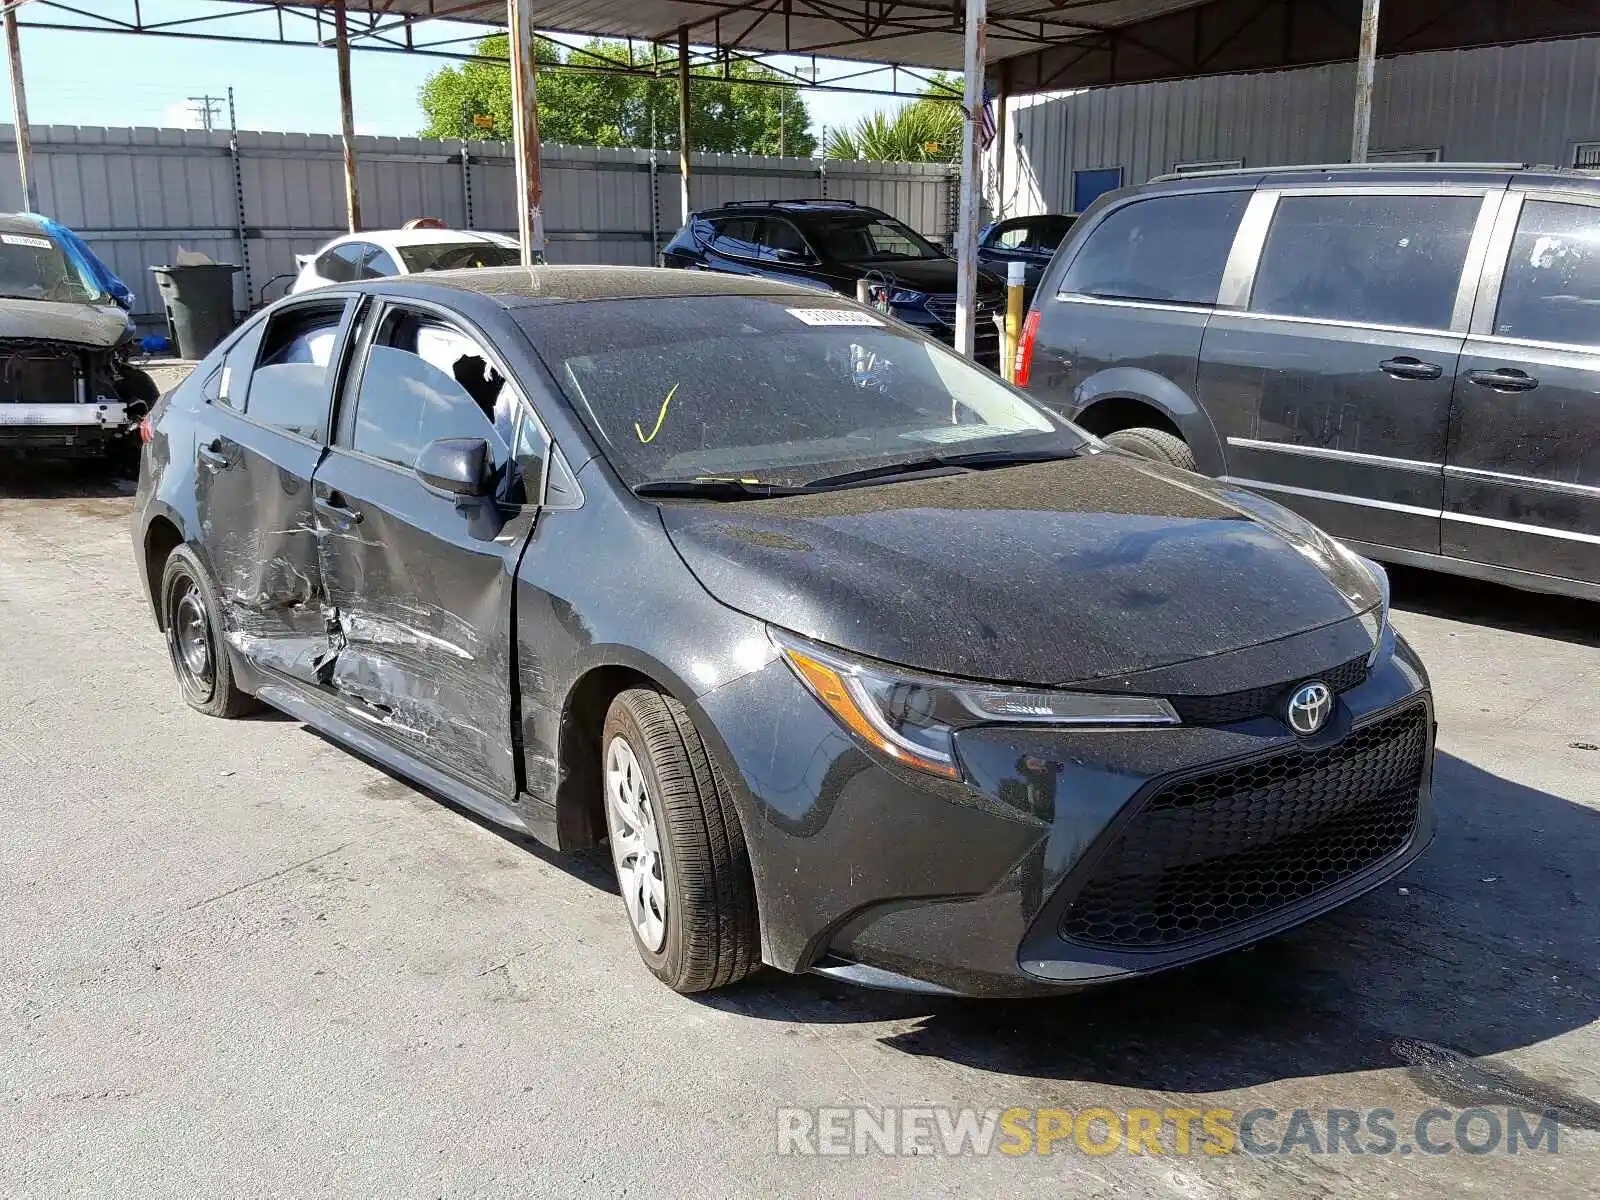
{"points": [[926, 130], [595, 109]]}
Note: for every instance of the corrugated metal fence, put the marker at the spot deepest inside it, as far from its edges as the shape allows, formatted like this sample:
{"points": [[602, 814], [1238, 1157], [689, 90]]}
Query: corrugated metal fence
{"points": [[1532, 103], [138, 195]]}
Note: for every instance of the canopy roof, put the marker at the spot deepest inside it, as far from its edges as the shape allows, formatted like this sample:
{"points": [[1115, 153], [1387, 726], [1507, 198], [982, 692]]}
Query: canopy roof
{"points": [[1033, 45]]}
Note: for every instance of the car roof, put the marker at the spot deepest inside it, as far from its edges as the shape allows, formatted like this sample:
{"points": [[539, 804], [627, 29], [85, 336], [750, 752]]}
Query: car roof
{"points": [[821, 205], [1362, 174], [20, 223], [394, 238], [1031, 218], [520, 287]]}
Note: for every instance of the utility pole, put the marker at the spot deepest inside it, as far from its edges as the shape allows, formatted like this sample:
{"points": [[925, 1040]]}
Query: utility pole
{"points": [[1366, 57], [205, 107], [19, 107], [971, 178]]}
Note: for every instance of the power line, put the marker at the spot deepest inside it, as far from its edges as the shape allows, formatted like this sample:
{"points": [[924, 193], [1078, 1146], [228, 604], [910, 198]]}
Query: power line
{"points": [[206, 109]]}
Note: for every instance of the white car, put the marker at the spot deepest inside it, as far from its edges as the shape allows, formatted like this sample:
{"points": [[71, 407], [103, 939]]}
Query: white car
{"points": [[375, 253]]}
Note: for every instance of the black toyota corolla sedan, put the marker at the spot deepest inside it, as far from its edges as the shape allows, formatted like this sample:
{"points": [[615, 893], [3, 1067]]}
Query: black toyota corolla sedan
{"points": [[862, 662]]}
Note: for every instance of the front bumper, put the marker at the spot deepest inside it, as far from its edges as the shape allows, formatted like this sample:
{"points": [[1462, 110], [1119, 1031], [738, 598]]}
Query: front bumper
{"points": [[62, 426], [892, 878]]}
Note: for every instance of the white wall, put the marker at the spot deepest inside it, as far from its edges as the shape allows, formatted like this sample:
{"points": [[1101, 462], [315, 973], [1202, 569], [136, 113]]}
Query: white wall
{"points": [[1528, 103]]}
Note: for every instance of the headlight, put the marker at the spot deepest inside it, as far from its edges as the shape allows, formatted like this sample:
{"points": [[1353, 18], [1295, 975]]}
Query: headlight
{"points": [[913, 718], [1376, 619], [907, 296]]}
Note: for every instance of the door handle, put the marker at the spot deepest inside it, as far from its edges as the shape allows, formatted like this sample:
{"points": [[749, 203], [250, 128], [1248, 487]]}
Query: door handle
{"points": [[1406, 367], [214, 453], [1505, 379], [339, 514]]}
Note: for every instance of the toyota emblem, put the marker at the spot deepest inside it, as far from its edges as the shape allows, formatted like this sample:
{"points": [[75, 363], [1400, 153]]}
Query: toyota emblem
{"points": [[1310, 707]]}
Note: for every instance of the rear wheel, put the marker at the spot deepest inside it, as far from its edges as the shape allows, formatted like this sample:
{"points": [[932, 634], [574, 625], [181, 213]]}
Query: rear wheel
{"points": [[193, 625], [1155, 444], [677, 845]]}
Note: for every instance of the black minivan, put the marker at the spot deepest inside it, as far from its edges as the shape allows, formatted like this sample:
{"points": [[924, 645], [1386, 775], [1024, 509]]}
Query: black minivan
{"points": [[1408, 355]]}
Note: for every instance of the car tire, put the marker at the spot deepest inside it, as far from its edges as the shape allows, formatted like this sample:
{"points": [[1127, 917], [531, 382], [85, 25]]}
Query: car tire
{"points": [[190, 617], [1155, 444], [676, 842]]}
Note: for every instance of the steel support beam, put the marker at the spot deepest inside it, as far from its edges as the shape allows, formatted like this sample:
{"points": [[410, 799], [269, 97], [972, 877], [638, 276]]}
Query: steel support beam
{"points": [[525, 126], [19, 108], [347, 118], [1367, 55], [683, 120], [971, 181]]}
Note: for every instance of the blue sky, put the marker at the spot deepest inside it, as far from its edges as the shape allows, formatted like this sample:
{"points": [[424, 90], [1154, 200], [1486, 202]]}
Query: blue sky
{"points": [[110, 79]]}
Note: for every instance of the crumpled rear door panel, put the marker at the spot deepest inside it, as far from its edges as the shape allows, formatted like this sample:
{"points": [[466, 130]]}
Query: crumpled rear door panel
{"points": [[253, 489]]}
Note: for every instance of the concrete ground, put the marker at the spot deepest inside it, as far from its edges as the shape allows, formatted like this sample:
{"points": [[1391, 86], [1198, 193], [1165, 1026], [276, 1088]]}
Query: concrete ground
{"points": [[236, 960]]}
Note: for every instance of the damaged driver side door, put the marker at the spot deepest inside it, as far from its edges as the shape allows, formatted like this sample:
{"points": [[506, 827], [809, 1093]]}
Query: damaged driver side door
{"points": [[266, 429], [420, 578]]}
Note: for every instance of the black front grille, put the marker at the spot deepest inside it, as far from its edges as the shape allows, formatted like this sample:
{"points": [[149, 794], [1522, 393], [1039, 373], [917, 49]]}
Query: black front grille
{"points": [[1213, 851], [37, 373], [944, 308], [1262, 701]]}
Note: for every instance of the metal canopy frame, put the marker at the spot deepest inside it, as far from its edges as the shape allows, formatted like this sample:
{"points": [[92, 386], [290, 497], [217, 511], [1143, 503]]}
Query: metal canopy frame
{"points": [[373, 27], [1021, 45]]}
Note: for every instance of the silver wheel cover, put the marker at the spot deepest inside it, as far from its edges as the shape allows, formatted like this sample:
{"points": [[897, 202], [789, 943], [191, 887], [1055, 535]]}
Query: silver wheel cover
{"points": [[635, 845]]}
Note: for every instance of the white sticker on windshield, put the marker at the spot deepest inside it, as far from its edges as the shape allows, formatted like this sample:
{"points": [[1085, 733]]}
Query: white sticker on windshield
{"points": [[834, 316], [24, 239]]}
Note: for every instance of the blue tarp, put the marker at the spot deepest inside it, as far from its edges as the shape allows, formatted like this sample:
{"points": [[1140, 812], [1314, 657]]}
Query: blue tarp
{"points": [[87, 262]]}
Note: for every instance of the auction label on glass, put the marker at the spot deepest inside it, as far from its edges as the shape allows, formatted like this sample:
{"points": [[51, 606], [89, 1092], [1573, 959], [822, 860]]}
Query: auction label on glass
{"points": [[834, 316]]}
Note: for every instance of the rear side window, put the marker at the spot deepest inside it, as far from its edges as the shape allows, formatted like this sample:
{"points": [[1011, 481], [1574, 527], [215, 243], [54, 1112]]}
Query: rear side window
{"points": [[291, 387], [1168, 248], [342, 263], [1377, 260], [739, 236], [1551, 291], [233, 380]]}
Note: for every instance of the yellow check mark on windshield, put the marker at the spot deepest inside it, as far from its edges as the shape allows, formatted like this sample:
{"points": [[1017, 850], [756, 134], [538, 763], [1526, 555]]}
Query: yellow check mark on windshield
{"points": [[660, 417]]}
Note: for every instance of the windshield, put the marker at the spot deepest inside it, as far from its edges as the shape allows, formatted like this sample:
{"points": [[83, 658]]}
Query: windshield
{"points": [[775, 389], [870, 239], [454, 256], [34, 267]]}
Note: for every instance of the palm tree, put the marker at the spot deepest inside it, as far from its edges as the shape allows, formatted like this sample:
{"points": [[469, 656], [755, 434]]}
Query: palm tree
{"points": [[923, 131]]}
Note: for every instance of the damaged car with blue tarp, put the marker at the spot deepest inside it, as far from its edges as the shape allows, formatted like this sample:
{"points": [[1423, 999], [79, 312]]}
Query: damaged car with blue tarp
{"points": [[68, 387]]}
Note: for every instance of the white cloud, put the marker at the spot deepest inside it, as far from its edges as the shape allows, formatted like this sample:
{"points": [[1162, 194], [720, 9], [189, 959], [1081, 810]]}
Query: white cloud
{"points": [[181, 115]]}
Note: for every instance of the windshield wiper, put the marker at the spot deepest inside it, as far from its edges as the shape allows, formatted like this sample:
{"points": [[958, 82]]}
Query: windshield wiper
{"points": [[972, 460], [716, 489]]}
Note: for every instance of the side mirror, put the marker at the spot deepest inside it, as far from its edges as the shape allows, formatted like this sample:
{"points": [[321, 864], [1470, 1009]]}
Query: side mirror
{"points": [[458, 466], [785, 254]]}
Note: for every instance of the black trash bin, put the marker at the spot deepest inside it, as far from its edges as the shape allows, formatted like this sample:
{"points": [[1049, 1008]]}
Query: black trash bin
{"points": [[199, 304]]}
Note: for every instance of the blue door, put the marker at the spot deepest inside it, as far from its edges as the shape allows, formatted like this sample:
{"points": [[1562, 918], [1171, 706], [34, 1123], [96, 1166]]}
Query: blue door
{"points": [[1088, 186]]}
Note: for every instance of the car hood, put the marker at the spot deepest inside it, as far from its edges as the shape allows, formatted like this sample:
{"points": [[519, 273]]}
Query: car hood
{"points": [[936, 275], [1053, 573], [99, 325]]}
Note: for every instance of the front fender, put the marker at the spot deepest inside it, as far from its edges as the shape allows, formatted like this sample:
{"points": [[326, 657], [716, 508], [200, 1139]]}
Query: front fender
{"points": [[1161, 394]]}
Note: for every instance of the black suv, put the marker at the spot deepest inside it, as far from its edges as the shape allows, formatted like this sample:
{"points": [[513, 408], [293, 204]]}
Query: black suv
{"points": [[1409, 356], [832, 244]]}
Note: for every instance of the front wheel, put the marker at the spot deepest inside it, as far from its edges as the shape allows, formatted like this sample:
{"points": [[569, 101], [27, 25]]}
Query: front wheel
{"points": [[677, 845], [1155, 444]]}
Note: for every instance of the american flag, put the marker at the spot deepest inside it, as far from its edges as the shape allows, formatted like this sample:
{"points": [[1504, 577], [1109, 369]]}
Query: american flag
{"points": [[985, 119]]}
